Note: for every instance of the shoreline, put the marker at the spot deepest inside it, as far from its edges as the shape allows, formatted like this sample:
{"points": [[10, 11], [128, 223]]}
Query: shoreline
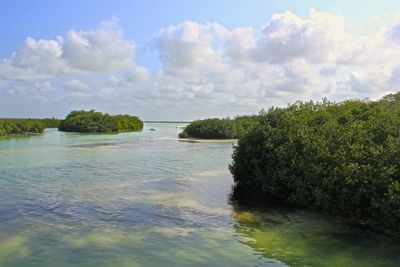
{"points": [[200, 140]]}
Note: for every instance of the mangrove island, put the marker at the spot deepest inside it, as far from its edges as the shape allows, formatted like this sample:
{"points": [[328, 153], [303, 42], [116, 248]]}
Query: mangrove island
{"points": [[97, 122]]}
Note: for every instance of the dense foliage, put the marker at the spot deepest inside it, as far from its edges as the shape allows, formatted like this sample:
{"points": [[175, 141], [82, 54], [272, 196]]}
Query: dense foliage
{"points": [[92, 121], [341, 158], [20, 126], [219, 128], [50, 122], [9, 126]]}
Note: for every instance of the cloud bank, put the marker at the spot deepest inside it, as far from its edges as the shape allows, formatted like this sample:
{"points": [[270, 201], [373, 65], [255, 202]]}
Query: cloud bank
{"points": [[207, 69]]}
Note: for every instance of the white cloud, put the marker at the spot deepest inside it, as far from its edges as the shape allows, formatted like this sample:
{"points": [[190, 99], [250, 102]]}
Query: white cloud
{"points": [[287, 36], [238, 43], [39, 55], [210, 70], [81, 52], [136, 73], [75, 86], [187, 49], [103, 49], [44, 87], [37, 59]]}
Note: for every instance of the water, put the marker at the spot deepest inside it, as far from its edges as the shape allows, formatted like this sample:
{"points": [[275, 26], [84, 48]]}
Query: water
{"points": [[147, 199]]}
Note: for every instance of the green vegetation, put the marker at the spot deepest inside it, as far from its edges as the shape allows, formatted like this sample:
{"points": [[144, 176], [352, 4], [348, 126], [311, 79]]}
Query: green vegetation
{"points": [[20, 126], [219, 128], [76, 121], [97, 122], [50, 122], [340, 158], [11, 126]]}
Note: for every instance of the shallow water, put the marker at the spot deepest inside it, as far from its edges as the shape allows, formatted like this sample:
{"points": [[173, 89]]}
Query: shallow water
{"points": [[147, 199]]}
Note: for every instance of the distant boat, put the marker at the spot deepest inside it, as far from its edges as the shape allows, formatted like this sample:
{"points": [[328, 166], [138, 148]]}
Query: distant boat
{"points": [[153, 129]]}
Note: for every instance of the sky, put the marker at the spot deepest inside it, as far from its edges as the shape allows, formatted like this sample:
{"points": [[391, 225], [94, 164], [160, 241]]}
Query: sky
{"points": [[185, 60]]}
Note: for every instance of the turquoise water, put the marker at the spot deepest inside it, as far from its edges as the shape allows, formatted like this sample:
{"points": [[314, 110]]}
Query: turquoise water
{"points": [[147, 199]]}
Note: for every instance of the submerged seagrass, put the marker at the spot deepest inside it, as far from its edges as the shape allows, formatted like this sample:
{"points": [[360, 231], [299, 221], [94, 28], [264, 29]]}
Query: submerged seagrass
{"points": [[341, 158]]}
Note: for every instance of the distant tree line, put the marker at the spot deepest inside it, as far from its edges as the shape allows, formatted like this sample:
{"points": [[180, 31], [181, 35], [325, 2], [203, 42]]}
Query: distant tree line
{"points": [[76, 121], [340, 158], [219, 128], [97, 122], [50, 122], [10, 126]]}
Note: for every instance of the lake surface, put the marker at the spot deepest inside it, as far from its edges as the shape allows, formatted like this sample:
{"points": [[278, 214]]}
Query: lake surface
{"points": [[147, 199]]}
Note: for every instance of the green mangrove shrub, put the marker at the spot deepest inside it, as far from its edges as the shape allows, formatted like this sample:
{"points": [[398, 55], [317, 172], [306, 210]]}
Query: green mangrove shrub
{"points": [[340, 158], [218, 128], [50, 122], [11, 126], [97, 122]]}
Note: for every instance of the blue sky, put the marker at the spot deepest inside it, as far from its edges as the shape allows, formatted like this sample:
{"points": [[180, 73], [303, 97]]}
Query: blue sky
{"points": [[169, 57], [141, 19]]}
